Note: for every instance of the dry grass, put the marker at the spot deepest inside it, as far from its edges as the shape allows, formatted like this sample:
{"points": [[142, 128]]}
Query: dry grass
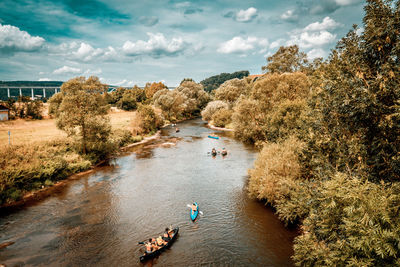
{"points": [[25, 131]]}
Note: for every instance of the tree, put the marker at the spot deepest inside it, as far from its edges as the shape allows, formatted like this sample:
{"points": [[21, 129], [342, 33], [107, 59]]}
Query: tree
{"points": [[127, 101], [286, 59], [351, 223], [358, 98], [196, 97], [215, 81], [83, 111], [151, 89], [211, 108], [186, 80], [230, 90], [146, 120], [54, 103]]}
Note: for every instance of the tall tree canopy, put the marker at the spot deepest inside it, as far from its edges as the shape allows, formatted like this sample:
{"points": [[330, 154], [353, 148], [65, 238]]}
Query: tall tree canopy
{"points": [[82, 112], [286, 59]]}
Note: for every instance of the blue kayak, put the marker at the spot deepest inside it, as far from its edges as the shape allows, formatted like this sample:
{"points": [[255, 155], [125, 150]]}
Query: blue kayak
{"points": [[214, 137], [193, 215]]}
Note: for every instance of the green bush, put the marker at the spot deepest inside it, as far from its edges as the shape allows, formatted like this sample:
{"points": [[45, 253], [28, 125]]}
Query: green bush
{"points": [[122, 137], [352, 222], [222, 117], [146, 120], [276, 179], [128, 100]]}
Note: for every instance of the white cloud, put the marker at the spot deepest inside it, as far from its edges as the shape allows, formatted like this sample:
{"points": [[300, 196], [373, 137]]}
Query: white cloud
{"points": [[315, 53], [289, 15], [66, 69], [316, 39], [41, 73], [326, 24], [13, 39], [44, 79], [246, 15], [86, 52], [124, 83], [275, 44], [314, 35], [239, 45], [347, 2], [90, 72], [156, 46]]}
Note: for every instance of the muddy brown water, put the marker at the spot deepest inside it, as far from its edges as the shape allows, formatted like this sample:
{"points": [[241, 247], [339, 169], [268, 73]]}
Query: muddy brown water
{"points": [[98, 219]]}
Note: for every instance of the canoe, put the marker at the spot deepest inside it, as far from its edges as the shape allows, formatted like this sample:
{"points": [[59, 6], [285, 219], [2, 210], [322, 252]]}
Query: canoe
{"points": [[193, 215], [214, 137], [148, 256]]}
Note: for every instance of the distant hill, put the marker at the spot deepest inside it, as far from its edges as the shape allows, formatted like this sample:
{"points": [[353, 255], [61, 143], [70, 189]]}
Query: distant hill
{"points": [[214, 82]]}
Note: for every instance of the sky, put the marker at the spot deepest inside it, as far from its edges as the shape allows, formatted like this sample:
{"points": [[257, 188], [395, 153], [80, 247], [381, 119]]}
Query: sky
{"points": [[128, 42]]}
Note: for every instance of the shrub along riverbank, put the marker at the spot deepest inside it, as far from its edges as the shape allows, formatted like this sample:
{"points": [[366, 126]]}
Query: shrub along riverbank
{"points": [[329, 133], [29, 167]]}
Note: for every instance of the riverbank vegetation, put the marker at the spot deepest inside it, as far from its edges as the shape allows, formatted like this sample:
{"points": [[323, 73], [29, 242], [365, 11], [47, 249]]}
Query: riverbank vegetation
{"points": [[329, 133], [184, 102]]}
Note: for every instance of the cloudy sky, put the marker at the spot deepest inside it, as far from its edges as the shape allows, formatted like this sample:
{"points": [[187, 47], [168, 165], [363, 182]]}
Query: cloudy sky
{"points": [[126, 42]]}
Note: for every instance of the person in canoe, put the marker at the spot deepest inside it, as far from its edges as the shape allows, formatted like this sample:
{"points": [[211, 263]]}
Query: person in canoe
{"points": [[224, 152], [149, 246], [166, 237], [160, 242], [213, 152], [194, 208], [177, 130]]}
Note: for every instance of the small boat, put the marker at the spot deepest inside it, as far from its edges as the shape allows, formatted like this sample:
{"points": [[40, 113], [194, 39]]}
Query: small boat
{"points": [[177, 130], [214, 137], [193, 215], [224, 153], [148, 256]]}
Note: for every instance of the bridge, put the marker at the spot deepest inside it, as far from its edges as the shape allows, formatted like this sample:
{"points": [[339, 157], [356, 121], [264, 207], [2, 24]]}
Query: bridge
{"points": [[36, 92]]}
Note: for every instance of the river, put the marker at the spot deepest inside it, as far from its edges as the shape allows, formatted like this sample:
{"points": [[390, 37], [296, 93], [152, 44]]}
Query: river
{"points": [[97, 220]]}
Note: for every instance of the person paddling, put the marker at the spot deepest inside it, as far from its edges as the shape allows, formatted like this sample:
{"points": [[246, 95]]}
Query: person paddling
{"points": [[213, 151], [224, 152], [160, 242], [194, 208], [149, 247], [166, 236]]}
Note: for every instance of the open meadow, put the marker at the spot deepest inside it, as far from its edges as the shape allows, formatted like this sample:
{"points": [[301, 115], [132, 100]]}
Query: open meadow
{"points": [[32, 131]]}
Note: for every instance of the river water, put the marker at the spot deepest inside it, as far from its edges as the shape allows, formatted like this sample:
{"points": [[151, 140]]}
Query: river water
{"points": [[98, 219]]}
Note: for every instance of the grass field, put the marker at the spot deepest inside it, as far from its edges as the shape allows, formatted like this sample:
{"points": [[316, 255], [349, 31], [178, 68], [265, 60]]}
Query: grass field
{"points": [[30, 131]]}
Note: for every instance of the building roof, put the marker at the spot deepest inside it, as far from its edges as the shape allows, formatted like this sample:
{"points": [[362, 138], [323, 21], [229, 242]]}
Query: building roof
{"points": [[2, 107]]}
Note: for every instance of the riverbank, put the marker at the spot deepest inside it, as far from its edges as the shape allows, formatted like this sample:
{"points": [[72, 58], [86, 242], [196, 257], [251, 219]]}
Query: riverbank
{"points": [[46, 185], [42, 159], [219, 128]]}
